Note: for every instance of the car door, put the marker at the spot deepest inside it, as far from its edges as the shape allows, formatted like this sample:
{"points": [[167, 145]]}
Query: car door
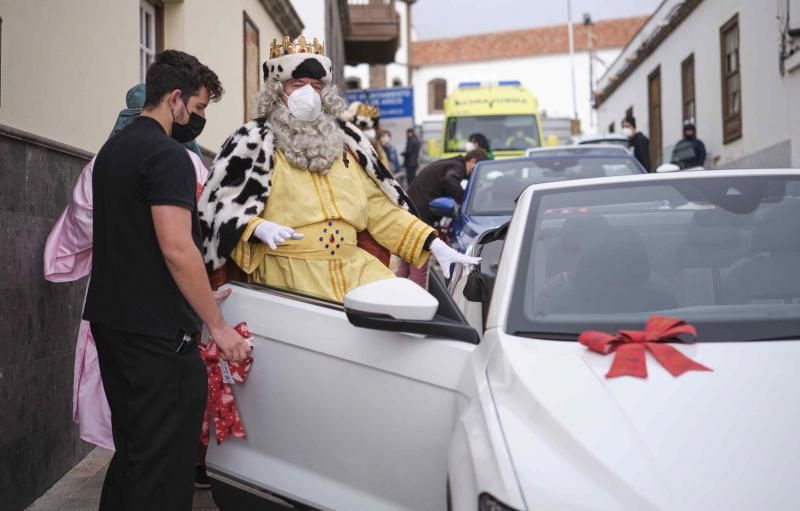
{"points": [[337, 416]]}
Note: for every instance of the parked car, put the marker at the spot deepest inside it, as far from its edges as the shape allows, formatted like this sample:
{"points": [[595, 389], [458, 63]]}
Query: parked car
{"points": [[595, 149], [394, 401], [611, 139], [494, 185]]}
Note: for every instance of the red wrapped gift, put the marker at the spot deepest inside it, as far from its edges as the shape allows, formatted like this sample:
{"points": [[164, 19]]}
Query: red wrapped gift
{"points": [[629, 347], [220, 403]]}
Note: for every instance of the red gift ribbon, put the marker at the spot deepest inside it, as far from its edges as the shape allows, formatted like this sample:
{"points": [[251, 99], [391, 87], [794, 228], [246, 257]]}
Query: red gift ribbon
{"points": [[629, 347], [220, 402]]}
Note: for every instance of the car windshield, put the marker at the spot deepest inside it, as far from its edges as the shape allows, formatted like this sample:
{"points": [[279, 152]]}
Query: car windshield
{"points": [[504, 132], [720, 253], [497, 184]]}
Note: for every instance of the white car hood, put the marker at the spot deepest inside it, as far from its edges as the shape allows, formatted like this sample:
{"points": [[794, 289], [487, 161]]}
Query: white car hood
{"points": [[727, 439]]}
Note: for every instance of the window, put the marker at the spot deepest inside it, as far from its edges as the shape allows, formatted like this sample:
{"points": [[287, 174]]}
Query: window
{"points": [[687, 88], [147, 37], [397, 82], [731, 81], [611, 128], [654, 106], [437, 91], [252, 67], [353, 83]]}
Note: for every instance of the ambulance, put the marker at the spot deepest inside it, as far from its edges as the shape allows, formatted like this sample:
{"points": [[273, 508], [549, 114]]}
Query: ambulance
{"points": [[504, 112]]}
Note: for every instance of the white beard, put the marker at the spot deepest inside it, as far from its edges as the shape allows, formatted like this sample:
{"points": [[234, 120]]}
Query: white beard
{"points": [[313, 145]]}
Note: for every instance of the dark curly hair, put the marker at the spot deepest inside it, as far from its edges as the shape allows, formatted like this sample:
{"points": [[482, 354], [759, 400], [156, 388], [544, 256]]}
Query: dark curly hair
{"points": [[480, 140], [173, 69]]}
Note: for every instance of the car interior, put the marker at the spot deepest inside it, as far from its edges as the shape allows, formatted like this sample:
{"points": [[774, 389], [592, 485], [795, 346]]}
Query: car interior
{"points": [[626, 263]]}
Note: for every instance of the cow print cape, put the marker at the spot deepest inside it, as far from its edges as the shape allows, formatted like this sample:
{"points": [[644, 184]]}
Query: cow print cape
{"points": [[240, 181]]}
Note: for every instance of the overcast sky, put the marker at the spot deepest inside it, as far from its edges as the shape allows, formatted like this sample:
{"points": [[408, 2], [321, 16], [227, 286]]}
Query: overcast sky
{"points": [[434, 19]]}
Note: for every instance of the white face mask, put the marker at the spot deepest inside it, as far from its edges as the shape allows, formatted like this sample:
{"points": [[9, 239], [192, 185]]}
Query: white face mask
{"points": [[628, 132], [470, 146], [305, 103], [370, 133]]}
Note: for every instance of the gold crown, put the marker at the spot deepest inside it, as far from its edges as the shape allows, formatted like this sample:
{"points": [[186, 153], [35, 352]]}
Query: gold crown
{"points": [[367, 110], [301, 46]]}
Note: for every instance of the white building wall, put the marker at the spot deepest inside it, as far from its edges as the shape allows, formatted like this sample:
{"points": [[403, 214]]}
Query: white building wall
{"points": [[57, 82], [215, 36], [765, 101], [546, 76]]}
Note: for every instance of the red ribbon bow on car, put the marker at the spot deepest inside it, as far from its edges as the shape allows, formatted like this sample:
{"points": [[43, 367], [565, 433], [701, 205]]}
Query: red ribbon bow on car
{"points": [[629, 347], [220, 401]]}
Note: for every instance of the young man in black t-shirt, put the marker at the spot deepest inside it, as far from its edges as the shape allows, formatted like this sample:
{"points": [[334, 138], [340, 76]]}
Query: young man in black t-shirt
{"points": [[149, 292]]}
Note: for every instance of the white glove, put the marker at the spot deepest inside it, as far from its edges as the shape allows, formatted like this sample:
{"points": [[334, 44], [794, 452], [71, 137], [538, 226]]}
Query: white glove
{"points": [[447, 256], [273, 234]]}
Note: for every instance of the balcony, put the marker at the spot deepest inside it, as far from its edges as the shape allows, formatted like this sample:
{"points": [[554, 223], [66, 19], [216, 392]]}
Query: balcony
{"points": [[374, 32]]}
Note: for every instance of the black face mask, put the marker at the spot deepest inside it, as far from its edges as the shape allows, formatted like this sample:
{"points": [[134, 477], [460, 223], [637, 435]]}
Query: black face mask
{"points": [[191, 130]]}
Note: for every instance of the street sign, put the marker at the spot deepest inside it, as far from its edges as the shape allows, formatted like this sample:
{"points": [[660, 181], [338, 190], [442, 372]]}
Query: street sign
{"points": [[393, 103]]}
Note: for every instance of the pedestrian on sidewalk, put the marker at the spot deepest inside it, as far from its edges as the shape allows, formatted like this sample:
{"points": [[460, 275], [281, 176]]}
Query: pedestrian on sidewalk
{"points": [[149, 290], [690, 151], [411, 156], [637, 141], [440, 178], [391, 152]]}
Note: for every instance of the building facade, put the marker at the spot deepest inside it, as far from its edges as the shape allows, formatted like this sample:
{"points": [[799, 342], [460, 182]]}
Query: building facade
{"points": [[69, 88], [64, 70], [732, 67], [395, 74], [327, 20], [539, 58]]}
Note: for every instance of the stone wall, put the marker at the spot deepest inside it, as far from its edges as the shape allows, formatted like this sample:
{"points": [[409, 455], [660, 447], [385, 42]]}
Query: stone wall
{"points": [[38, 320]]}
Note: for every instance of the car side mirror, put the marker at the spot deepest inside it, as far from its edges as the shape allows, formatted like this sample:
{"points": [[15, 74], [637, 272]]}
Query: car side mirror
{"points": [[399, 305], [394, 298], [443, 206], [667, 167]]}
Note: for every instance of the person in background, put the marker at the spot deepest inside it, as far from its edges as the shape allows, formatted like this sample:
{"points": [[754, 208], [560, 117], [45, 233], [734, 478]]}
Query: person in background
{"points": [[440, 178], [149, 291], [67, 258], [391, 152], [637, 141], [479, 141], [411, 155], [690, 151]]}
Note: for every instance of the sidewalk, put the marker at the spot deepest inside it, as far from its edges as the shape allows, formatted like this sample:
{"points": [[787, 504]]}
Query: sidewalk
{"points": [[79, 489]]}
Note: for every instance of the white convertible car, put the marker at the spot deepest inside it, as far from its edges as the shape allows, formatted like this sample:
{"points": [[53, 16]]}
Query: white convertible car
{"points": [[481, 399]]}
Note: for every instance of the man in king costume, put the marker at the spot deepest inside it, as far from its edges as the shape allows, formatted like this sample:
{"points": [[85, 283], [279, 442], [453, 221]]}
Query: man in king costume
{"points": [[289, 191]]}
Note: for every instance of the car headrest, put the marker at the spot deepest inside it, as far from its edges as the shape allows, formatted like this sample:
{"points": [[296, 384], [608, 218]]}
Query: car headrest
{"points": [[781, 232], [579, 229], [618, 258]]}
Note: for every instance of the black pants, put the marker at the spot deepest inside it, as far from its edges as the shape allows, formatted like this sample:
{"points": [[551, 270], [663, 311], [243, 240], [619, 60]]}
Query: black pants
{"points": [[157, 397], [411, 173]]}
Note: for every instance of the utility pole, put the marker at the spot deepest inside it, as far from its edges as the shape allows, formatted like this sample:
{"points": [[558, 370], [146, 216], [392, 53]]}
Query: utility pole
{"points": [[572, 62], [587, 22]]}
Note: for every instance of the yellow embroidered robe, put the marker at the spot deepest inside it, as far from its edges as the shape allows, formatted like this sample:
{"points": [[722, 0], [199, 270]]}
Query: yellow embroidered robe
{"points": [[328, 210]]}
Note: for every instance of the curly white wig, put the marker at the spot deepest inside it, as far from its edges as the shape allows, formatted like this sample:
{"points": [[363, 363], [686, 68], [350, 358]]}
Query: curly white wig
{"points": [[312, 145]]}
